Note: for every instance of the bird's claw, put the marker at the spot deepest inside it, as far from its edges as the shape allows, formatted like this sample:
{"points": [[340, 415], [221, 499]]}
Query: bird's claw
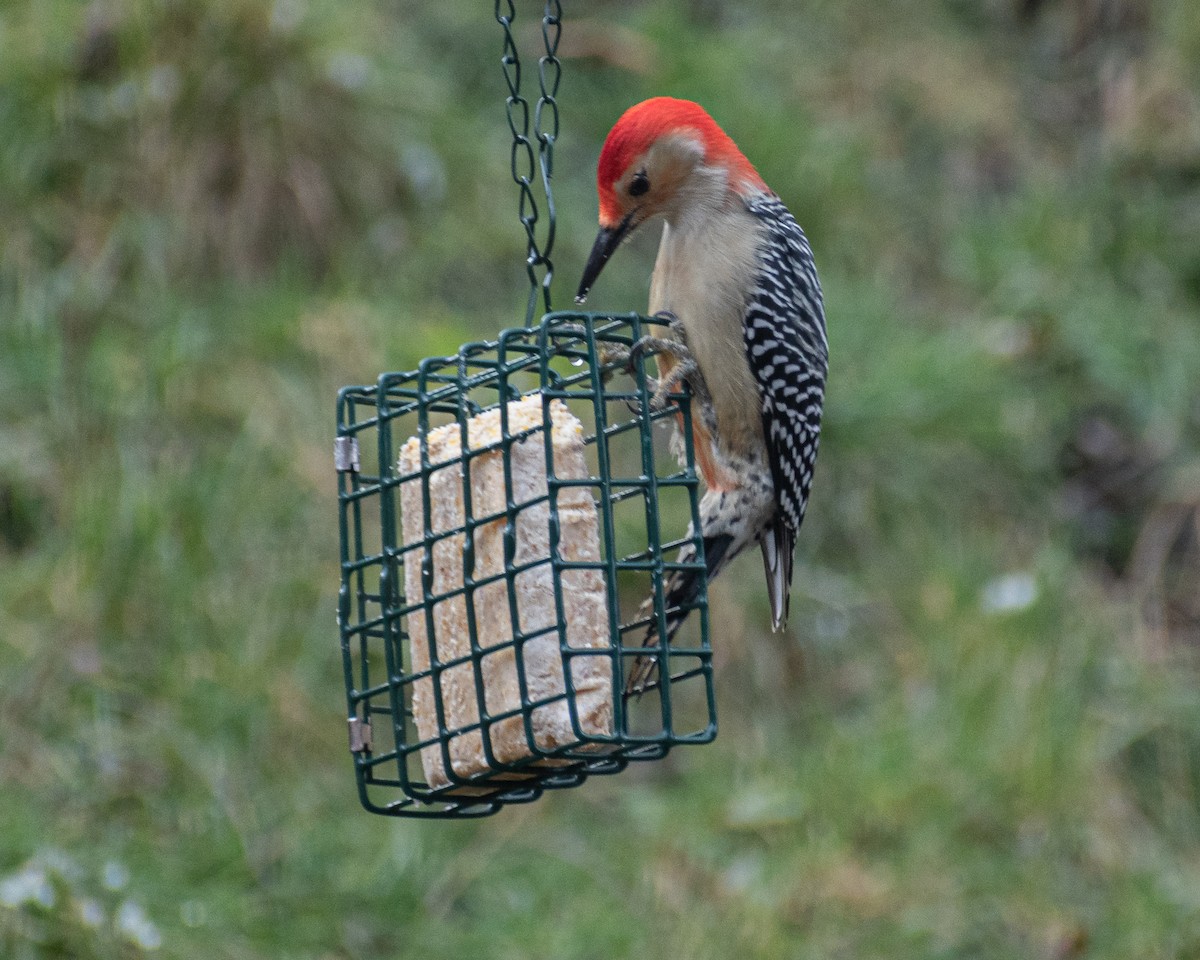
{"points": [[619, 354], [668, 319], [612, 355], [629, 357], [683, 369]]}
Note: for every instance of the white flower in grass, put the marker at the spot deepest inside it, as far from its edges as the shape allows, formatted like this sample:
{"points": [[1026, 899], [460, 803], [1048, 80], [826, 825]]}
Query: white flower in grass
{"points": [[131, 921], [1009, 593], [91, 913], [28, 885]]}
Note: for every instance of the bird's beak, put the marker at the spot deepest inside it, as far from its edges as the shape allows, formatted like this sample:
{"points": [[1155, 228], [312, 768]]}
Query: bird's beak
{"points": [[607, 240]]}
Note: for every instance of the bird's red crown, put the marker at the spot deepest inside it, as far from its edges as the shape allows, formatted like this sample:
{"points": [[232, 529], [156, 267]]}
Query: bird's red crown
{"points": [[643, 123]]}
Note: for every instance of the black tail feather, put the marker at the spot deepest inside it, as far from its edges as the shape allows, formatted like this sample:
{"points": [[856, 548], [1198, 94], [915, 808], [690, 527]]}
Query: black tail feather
{"points": [[680, 593]]}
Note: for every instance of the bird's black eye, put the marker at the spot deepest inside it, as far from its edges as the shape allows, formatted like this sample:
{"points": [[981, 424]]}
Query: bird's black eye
{"points": [[639, 184]]}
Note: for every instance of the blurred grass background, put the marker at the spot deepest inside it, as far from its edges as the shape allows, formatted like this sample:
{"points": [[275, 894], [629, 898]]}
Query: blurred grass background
{"points": [[980, 736]]}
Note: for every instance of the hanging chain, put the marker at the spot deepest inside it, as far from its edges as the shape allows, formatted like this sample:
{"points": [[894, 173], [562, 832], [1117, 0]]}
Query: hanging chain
{"points": [[545, 122], [545, 131]]}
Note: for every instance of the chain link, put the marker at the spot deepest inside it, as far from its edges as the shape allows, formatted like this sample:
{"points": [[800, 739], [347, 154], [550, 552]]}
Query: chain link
{"points": [[538, 265]]}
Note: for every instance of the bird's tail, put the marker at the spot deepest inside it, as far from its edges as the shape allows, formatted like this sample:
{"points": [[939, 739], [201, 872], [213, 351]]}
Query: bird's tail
{"points": [[778, 545]]}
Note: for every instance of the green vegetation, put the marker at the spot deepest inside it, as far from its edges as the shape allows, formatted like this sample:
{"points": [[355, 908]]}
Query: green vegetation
{"points": [[980, 736]]}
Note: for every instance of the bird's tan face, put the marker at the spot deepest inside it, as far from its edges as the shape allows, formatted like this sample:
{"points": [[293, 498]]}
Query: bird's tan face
{"points": [[653, 184]]}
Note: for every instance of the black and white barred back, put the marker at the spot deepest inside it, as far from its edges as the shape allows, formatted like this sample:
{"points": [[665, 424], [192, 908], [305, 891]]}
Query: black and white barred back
{"points": [[788, 353], [784, 332]]}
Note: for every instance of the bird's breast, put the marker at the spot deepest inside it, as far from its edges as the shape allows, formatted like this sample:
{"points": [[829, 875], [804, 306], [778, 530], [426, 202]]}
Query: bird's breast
{"points": [[704, 274]]}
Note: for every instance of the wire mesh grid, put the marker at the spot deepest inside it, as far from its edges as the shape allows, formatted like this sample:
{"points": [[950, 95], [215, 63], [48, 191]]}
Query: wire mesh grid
{"points": [[461, 697]]}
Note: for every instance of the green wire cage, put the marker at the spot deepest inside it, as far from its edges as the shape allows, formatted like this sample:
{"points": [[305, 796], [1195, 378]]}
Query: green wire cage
{"points": [[509, 518], [639, 489]]}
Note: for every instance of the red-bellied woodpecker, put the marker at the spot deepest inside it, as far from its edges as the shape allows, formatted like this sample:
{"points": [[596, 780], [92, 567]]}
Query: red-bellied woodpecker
{"points": [[735, 280]]}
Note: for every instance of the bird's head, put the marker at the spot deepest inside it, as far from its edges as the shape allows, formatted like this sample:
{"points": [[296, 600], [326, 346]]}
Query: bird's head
{"points": [[663, 157]]}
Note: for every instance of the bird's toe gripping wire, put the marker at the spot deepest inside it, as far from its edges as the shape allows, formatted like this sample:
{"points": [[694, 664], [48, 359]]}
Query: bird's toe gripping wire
{"points": [[683, 369]]}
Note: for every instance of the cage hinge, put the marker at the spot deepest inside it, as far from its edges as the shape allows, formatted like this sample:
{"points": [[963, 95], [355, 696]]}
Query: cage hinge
{"points": [[345, 454], [360, 735]]}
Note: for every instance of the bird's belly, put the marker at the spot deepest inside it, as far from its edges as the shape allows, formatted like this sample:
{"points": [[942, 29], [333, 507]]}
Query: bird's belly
{"points": [[718, 348]]}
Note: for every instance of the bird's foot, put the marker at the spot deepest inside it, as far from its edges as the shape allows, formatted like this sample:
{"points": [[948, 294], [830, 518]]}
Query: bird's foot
{"points": [[683, 369], [613, 355], [622, 356]]}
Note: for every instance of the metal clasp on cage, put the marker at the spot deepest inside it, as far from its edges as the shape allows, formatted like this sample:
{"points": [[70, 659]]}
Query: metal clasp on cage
{"points": [[360, 735], [345, 455]]}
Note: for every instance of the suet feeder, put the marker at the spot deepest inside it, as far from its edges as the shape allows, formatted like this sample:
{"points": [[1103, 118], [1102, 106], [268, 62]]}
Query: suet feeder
{"points": [[508, 518]]}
